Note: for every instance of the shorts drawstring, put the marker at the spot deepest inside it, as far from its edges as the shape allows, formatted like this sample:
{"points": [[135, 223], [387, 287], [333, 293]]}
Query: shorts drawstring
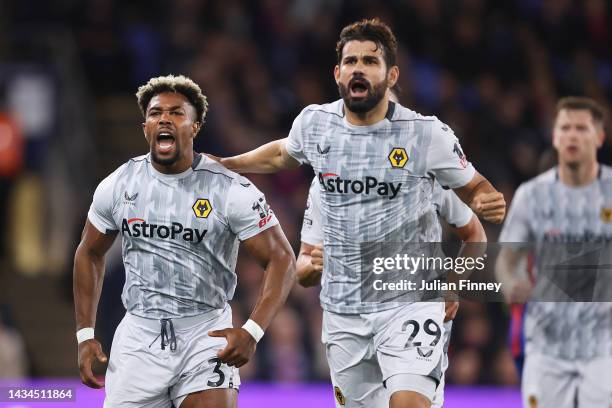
{"points": [[165, 339]]}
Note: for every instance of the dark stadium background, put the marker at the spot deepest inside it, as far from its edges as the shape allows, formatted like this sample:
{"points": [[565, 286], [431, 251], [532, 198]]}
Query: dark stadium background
{"points": [[69, 69]]}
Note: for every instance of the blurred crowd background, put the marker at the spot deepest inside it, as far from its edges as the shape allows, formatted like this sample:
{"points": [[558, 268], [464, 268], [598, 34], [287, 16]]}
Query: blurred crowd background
{"points": [[491, 69]]}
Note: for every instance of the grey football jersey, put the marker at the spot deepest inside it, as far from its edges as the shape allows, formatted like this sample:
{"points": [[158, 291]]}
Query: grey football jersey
{"points": [[446, 203], [376, 185], [180, 233], [545, 210]]}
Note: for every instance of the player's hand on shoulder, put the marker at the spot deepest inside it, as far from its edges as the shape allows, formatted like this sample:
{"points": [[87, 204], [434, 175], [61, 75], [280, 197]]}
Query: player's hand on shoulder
{"points": [[490, 207], [89, 351], [213, 157], [240, 346]]}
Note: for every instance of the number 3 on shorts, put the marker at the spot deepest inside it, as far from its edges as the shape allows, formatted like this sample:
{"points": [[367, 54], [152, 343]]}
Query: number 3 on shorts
{"points": [[216, 370]]}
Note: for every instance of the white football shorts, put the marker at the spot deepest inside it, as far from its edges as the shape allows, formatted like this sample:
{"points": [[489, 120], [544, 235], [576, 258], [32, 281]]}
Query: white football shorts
{"points": [[142, 374], [373, 355], [551, 382]]}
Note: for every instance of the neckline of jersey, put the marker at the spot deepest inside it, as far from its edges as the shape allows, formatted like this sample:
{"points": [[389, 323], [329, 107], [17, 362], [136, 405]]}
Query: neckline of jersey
{"points": [[375, 126], [169, 177], [367, 128], [580, 187]]}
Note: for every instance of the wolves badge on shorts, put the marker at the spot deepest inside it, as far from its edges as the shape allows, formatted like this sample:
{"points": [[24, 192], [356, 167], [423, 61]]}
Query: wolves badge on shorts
{"points": [[339, 396], [532, 401]]}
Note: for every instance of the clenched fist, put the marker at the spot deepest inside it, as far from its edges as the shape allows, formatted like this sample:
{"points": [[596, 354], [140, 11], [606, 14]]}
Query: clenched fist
{"points": [[490, 207], [316, 258]]}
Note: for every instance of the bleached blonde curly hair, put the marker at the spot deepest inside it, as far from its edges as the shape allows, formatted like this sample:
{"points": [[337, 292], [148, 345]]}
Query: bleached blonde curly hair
{"points": [[178, 84]]}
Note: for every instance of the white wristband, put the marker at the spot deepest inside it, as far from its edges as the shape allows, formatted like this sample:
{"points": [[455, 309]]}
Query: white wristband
{"points": [[86, 333], [253, 329]]}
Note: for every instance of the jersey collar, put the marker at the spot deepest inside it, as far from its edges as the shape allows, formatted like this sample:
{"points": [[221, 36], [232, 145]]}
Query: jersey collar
{"points": [[197, 158], [163, 176]]}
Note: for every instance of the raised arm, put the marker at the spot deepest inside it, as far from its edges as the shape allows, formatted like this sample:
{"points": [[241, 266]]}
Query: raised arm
{"points": [[483, 199], [451, 168], [268, 158], [272, 250], [87, 285]]}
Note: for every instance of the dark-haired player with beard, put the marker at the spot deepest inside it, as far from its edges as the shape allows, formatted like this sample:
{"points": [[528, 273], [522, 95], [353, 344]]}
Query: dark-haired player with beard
{"points": [[309, 266], [376, 162], [568, 344], [182, 217]]}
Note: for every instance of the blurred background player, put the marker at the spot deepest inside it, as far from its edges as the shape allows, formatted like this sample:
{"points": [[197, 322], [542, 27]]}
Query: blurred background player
{"points": [[182, 217], [376, 162], [463, 223], [525, 271], [568, 356]]}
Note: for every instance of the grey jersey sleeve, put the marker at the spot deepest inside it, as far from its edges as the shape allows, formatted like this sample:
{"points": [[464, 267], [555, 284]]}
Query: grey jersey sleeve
{"points": [[247, 211], [102, 207], [294, 143], [446, 159], [516, 227], [312, 233], [452, 209]]}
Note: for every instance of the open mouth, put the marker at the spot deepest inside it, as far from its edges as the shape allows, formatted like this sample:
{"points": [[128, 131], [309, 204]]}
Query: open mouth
{"points": [[572, 149], [359, 88], [165, 141]]}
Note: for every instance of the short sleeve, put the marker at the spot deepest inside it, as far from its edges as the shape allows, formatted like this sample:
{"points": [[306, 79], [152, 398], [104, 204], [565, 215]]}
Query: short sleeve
{"points": [[247, 211], [452, 209], [101, 210], [516, 227], [312, 233], [294, 143], [446, 159]]}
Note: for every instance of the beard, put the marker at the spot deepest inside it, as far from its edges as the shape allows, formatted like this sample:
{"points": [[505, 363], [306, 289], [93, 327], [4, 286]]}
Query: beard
{"points": [[362, 105], [165, 161]]}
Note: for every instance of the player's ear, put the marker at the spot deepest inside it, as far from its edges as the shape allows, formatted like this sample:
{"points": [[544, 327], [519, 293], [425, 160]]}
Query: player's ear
{"points": [[337, 73], [601, 136], [195, 127], [392, 76]]}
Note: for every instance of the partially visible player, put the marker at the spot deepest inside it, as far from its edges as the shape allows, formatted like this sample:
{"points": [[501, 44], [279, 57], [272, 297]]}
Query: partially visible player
{"points": [[568, 344], [516, 331], [310, 267], [376, 162], [182, 217]]}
